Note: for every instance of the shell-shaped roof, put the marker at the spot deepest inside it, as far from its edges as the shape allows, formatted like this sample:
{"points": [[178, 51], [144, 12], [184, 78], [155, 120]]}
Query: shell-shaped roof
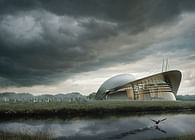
{"points": [[114, 82]]}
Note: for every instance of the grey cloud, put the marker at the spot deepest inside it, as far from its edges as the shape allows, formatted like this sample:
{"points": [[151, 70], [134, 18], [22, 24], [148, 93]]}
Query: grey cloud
{"points": [[42, 42], [127, 12], [191, 57]]}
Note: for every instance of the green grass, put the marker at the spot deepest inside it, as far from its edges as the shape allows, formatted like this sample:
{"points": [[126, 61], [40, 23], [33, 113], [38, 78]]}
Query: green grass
{"points": [[24, 136], [91, 108], [44, 136], [184, 137]]}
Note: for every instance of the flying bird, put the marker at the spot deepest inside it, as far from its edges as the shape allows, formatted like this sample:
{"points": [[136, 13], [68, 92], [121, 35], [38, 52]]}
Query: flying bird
{"points": [[158, 121]]}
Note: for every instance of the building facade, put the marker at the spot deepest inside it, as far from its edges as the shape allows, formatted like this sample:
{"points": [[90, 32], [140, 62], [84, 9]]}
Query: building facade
{"points": [[162, 86]]}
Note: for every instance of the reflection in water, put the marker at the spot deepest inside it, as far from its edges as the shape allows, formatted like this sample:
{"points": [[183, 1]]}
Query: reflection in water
{"points": [[136, 131], [124, 128], [158, 128]]}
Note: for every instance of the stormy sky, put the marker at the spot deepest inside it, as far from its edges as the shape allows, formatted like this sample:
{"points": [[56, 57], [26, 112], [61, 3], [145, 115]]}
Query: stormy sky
{"points": [[60, 46]]}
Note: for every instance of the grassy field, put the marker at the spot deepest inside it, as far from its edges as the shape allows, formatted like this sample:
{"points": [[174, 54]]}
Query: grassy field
{"points": [[66, 109], [24, 136], [184, 137], [45, 136]]}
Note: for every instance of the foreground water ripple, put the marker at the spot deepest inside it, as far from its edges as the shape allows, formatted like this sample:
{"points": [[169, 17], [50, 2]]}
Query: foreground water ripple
{"points": [[131, 127]]}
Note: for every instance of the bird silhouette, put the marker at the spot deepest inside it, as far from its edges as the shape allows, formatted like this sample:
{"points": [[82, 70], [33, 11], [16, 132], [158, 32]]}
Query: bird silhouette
{"points": [[158, 121]]}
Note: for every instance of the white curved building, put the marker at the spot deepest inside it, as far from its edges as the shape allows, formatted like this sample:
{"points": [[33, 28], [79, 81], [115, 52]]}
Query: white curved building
{"points": [[162, 86]]}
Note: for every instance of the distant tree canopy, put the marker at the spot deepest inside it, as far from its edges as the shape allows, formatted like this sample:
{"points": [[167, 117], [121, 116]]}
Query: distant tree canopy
{"points": [[92, 95], [27, 97]]}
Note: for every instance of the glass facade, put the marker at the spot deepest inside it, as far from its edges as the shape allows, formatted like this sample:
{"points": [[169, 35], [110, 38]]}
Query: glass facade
{"points": [[154, 88]]}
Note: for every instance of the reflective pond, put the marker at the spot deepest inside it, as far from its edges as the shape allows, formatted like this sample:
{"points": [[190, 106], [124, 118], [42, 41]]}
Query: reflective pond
{"points": [[131, 127]]}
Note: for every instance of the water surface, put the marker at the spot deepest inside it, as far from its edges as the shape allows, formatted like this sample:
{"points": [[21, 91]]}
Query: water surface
{"points": [[124, 128]]}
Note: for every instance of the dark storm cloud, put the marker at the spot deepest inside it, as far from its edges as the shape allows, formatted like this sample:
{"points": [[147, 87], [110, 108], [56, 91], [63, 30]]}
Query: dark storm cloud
{"points": [[149, 12], [45, 41]]}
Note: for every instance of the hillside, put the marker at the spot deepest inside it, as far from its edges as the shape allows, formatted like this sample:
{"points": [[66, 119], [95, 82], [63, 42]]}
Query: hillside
{"points": [[186, 97]]}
